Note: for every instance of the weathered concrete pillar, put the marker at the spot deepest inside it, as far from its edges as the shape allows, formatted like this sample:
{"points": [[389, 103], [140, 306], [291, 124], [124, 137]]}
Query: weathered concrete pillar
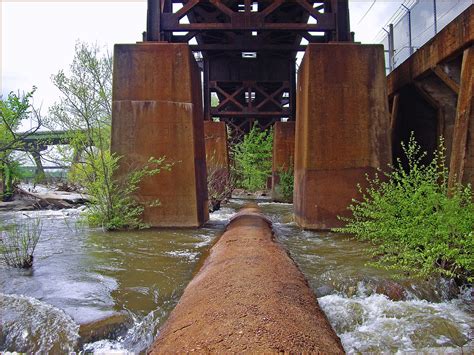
{"points": [[215, 135], [283, 157], [157, 112], [217, 162], [342, 129], [248, 297]]}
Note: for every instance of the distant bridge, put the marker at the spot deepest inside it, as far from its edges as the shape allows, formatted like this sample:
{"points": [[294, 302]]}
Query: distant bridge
{"points": [[41, 139]]}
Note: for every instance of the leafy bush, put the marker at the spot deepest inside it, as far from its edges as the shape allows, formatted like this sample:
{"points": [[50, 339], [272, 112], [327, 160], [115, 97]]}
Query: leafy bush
{"points": [[253, 159], [113, 204], [219, 183], [286, 183], [18, 243], [414, 221]]}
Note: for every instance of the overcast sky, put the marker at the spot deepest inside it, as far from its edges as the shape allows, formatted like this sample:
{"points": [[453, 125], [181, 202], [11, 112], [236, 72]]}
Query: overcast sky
{"points": [[38, 38]]}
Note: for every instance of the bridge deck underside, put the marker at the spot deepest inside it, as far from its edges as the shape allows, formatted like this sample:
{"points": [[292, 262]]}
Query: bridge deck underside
{"points": [[248, 50], [431, 94]]}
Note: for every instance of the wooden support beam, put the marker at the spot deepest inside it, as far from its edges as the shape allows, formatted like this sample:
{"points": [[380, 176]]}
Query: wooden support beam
{"points": [[464, 114], [394, 120], [394, 113], [426, 96], [446, 79]]}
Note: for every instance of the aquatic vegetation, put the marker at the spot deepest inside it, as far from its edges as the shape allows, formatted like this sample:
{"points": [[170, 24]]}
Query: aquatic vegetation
{"points": [[414, 221], [18, 243]]}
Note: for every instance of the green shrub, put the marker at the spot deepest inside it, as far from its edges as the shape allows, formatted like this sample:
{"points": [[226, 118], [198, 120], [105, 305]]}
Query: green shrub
{"points": [[286, 183], [219, 183], [18, 243], [412, 221], [253, 159], [113, 204]]}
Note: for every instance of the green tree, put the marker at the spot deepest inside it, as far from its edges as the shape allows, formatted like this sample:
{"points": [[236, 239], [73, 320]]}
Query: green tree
{"points": [[412, 221], [85, 106], [253, 159], [13, 110], [84, 111]]}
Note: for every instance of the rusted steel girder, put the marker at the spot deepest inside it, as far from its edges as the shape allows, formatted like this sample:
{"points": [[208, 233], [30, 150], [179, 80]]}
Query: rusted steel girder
{"points": [[198, 18], [250, 98], [272, 31]]}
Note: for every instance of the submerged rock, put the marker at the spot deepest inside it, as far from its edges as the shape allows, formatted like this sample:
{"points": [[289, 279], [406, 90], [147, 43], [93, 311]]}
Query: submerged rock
{"points": [[392, 290], [110, 327], [31, 326]]}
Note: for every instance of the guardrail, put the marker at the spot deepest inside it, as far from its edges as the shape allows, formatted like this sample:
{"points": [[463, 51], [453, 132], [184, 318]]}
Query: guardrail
{"points": [[414, 24]]}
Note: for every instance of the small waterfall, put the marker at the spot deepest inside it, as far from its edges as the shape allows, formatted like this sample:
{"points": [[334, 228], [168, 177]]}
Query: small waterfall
{"points": [[376, 324]]}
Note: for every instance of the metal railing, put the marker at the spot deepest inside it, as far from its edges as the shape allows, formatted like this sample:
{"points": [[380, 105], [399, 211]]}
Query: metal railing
{"points": [[414, 24]]}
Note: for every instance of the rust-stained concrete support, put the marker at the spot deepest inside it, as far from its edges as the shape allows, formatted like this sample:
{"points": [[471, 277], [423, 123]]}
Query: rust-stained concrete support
{"points": [[217, 161], [283, 156], [342, 129], [248, 297], [157, 112], [462, 150], [432, 95], [217, 154]]}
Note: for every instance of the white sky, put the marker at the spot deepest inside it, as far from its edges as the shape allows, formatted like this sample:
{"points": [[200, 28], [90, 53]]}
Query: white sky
{"points": [[38, 38]]}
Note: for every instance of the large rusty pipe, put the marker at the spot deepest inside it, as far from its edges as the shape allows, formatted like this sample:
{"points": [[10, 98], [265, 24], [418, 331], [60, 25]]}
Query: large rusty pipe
{"points": [[248, 296]]}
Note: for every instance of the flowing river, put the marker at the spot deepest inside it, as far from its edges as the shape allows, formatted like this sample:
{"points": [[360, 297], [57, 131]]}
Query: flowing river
{"points": [[132, 280]]}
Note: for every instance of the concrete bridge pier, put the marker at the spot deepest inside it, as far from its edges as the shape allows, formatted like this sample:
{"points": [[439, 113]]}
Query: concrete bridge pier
{"points": [[283, 157], [157, 112], [217, 154], [342, 129], [217, 162]]}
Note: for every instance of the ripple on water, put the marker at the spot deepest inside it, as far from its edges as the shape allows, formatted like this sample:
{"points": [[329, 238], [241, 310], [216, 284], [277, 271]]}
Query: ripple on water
{"points": [[89, 274], [29, 325]]}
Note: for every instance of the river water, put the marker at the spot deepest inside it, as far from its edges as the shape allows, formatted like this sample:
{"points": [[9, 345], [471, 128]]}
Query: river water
{"points": [[81, 275]]}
